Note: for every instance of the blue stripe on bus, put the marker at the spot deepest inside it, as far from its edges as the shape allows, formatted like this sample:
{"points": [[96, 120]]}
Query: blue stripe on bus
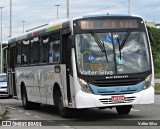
{"points": [[117, 89]]}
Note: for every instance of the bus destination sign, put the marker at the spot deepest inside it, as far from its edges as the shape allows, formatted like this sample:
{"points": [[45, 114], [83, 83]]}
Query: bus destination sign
{"points": [[108, 24]]}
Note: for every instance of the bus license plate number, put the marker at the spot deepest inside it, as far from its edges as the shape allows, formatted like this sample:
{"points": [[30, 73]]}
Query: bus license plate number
{"points": [[118, 98]]}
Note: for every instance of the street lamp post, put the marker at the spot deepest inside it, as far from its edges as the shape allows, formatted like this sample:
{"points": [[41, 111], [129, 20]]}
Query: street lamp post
{"points": [[57, 10], [129, 7], [10, 32], [67, 8], [23, 24], [1, 43]]}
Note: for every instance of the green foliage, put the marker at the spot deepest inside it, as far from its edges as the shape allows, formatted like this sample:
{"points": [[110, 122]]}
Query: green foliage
{"points": [[156, 48], [157, 88]]}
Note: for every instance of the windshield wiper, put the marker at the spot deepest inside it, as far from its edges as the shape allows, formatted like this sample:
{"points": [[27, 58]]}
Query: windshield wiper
{"points": [[123, 42], [100, 43], [125, 39]]}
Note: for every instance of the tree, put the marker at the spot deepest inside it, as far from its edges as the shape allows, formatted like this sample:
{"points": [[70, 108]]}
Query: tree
{"points": [[156, 48]]}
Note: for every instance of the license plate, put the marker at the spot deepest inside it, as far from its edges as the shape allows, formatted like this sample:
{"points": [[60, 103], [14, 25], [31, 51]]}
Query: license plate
{"points": [[118, 98]]}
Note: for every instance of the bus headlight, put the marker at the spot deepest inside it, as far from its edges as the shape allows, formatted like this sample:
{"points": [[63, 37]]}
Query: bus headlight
{"points": [[84, 86], [147, 82]]}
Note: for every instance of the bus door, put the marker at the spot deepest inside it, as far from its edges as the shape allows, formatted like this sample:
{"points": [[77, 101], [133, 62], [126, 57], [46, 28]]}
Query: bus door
{"points": [[11, 52], [66, 59]]}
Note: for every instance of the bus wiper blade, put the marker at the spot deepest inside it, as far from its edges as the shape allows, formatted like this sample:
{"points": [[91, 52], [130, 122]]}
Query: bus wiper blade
{"points": [[125, 39], [120, 53], [100, 43]]}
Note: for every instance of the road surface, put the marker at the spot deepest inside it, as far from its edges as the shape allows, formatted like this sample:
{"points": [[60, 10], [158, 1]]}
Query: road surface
{"points": [[87, 119]]}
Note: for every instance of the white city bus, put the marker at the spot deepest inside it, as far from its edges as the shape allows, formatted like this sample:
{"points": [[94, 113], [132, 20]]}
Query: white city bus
{"points": [[98, 61]]}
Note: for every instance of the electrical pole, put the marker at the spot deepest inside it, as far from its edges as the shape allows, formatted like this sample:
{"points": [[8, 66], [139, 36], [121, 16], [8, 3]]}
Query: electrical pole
{"points": [[10, 32], [67, 8], [129, 7], [57, 10], [1, 43], [23, 24]]}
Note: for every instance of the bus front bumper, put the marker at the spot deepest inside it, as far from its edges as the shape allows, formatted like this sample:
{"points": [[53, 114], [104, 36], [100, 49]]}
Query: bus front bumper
{"points": [[86, 100]]}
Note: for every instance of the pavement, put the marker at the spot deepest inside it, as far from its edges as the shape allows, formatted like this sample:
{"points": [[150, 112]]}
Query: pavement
{"points": [[2, 110], [87, 119], [157, 80]]}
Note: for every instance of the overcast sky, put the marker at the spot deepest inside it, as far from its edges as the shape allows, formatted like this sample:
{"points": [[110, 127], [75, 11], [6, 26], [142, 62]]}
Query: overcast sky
{"points": [[38, 12]]}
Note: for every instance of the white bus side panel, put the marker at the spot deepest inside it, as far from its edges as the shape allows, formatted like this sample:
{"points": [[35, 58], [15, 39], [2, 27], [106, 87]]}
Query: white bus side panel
{"points": [[39, 82]]}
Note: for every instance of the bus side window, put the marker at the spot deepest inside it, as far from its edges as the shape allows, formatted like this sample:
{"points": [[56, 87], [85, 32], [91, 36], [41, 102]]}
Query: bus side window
{"points": [[25, 52], [19, 52], [54, 48], [34, 50], [44, 49]]}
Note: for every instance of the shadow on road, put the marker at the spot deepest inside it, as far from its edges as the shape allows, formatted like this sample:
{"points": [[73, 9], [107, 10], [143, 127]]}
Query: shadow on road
{"points": [[89, 114], [82, 115]]}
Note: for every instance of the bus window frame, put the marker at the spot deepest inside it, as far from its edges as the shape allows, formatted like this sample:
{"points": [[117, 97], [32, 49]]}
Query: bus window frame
{"points": [[28, 54], [40, 38], [57, 31]]}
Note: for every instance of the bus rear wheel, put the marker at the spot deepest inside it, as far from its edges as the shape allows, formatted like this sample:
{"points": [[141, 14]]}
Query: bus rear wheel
{"points": [[26, 104], [122, 110]]}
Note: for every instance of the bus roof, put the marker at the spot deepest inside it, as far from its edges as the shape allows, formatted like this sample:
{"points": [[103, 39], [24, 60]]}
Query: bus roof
{"points": [[40, 30], [105, 15], [57, 24]]}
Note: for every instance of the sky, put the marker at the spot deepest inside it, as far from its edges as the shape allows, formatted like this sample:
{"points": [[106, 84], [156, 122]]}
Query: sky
{"points": [[39, 12]]}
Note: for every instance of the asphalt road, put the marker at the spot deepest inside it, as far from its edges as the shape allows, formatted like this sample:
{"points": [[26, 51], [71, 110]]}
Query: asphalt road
{"points": [[86, 119]]}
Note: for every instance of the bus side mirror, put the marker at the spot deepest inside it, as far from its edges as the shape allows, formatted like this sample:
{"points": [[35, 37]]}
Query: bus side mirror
{"points": [[150, 34]]}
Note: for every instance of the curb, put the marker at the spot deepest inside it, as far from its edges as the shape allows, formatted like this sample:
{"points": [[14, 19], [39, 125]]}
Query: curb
{"points": [[2, 110]]}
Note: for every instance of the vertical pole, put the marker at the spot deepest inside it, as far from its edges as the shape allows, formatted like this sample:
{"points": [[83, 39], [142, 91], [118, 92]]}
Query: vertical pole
{"points": [[67, 8], [10, 34], [129, 7], [57, 10], [1, 43], [23, 25]]}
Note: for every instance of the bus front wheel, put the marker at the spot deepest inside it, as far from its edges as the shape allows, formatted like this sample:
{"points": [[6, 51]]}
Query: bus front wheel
{"points": [[63, 111], [122, 110]]}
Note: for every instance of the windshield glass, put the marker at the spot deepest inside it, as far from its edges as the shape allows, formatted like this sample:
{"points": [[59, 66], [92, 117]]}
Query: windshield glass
{"points": [[134, 55], [132, 58], [3, 78]]}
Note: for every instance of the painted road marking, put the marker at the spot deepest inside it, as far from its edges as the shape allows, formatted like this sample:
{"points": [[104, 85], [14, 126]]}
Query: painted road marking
{"points": [[65, 126], [135, 110], [27, 113], [37, 117], [20, 110]]}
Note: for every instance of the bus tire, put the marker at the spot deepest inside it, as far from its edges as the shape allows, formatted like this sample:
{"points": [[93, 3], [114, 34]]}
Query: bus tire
{"points": [[25, 102], [124, 110], [63, 111]]}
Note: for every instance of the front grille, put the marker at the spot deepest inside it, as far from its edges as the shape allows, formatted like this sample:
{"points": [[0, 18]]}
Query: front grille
{"points": [[116, 82], [109, 101]]}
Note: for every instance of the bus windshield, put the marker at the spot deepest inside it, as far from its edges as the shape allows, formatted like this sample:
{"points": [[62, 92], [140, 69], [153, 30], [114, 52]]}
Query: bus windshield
{"points": [[132, 58]]}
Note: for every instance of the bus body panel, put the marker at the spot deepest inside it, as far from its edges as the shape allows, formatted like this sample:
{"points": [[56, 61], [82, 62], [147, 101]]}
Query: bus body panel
{"points": [[40, 81]]}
